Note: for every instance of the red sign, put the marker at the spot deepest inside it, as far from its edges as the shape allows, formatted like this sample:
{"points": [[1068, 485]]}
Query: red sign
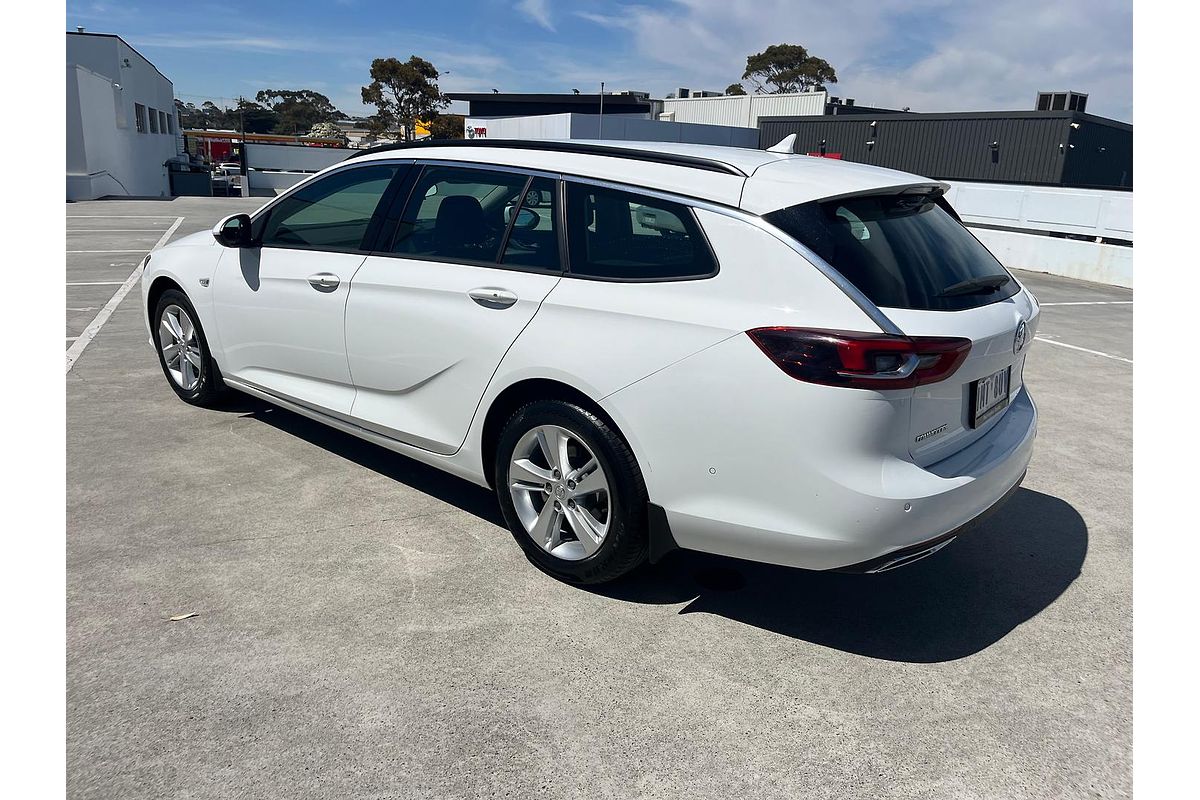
{"points": [[825, 155]]}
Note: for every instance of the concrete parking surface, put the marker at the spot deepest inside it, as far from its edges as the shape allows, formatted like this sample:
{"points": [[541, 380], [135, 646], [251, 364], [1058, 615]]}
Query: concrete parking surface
{"points": [[365, 626]]}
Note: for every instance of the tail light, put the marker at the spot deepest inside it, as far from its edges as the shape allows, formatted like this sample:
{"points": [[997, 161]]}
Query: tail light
{"points": [[861, 360]]}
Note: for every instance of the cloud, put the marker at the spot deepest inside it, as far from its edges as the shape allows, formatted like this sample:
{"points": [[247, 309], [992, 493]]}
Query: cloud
{"points": [[538, 11], [932, 55]]}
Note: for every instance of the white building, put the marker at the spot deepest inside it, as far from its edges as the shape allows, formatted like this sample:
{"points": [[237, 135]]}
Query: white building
{"points": [[621, 127], [121, 121], [743, 110]]}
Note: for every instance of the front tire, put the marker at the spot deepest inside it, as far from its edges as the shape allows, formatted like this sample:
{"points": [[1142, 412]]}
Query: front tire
{"points": [[571, 493], [183, 351]]}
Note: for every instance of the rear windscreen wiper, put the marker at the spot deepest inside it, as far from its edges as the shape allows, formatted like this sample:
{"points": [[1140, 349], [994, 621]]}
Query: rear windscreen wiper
{"points": [[980, 285]]}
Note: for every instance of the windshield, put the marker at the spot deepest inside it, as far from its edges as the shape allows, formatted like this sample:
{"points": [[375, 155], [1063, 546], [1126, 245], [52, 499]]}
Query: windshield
{"points": [[900, 250]]}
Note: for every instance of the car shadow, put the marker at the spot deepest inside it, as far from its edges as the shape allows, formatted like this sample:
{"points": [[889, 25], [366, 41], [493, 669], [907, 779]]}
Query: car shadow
{"points": [[963, 599], [968, 596]]}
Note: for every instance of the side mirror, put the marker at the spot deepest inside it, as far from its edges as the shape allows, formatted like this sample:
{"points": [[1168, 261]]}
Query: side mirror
{"points": [[233, 231], [526, 219]]}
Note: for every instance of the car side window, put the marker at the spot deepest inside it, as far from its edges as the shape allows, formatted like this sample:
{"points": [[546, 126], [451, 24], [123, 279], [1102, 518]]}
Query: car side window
{"points": [[533, 240], [459, 213], [619, 235], [330, 214]]}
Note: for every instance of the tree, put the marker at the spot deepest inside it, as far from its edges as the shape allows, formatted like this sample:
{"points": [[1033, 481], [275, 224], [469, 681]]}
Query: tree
{"points": [[403, 91], [789, 68], [447, 126], [735, 88], [251, 117], [297, 110], [328, 130]]}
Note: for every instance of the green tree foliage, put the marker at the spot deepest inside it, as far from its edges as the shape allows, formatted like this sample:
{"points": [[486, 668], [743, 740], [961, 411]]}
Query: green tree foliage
{"points": [[403, 91], [447, 126], [328, 130], [297, 110], [787, 68], [735, 88]]}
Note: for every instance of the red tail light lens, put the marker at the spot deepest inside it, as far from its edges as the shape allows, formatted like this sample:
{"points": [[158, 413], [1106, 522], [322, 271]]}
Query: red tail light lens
{"points": [[861, 360]]}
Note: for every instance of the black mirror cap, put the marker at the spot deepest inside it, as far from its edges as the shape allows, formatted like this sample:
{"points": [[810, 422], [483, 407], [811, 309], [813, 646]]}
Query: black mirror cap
{"points": [[235, 232]]}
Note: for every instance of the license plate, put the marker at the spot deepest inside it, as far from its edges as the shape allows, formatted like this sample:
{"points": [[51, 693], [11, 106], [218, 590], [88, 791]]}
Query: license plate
{"points": [[989, 396]]}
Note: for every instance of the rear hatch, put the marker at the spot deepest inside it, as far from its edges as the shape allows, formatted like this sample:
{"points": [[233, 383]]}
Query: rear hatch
{"points": [[910, 256]]}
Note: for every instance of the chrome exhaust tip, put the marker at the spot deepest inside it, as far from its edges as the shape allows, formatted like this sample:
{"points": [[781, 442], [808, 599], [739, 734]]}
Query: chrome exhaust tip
{"points": [[909, 558]]}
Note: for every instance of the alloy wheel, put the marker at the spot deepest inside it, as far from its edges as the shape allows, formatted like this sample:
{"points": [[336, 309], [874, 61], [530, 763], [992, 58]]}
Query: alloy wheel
{"points": [[560, 492], [180, 347]]}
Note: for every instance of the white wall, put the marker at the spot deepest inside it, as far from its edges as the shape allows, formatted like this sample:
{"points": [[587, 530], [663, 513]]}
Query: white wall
{"points": [[1088, 261], [106, 155], [292, 157], [1089, 212], [1094, 213], [743, 111]]}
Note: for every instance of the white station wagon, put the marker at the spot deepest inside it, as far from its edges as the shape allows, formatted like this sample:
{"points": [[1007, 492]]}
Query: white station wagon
{"points": [[639, 346]]}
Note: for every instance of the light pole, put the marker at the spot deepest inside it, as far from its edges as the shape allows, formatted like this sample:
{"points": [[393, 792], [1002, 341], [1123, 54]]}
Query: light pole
{"points": [[601, 135]]}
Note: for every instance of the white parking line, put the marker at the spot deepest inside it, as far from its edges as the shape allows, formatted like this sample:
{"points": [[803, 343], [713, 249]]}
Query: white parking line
{"points": [[115, 230], [89, 333], [120, 216], [1083, 349], [141, 250], [1092, 303], [94, 283]]}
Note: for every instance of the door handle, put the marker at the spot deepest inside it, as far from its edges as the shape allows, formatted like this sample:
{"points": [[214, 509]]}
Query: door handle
{"points": [[491, 297], [324, 281]]}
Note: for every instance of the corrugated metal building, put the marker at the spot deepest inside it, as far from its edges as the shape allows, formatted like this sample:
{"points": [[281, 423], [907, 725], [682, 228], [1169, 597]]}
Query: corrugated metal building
{"points": [[743, 110], [1058, 148]]}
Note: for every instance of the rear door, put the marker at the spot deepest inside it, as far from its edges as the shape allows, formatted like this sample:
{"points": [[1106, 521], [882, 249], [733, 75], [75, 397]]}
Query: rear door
{"points": [[430, 315], [280, 307], [912, 258]]}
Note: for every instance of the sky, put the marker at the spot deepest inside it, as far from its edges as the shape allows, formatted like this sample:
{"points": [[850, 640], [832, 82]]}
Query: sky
{"points": [[929, 55]]}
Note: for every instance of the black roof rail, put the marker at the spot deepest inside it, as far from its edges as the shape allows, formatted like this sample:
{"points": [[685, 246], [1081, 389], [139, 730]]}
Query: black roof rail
{"points": [[674, 159]]}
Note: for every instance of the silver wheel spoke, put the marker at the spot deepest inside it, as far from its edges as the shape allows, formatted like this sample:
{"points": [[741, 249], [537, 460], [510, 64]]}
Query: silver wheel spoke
{"points": [[586, 528], [171, 351], [546, 531], [527, 474], [591, 482], [546, 438], [165, 333], [193, 357]]}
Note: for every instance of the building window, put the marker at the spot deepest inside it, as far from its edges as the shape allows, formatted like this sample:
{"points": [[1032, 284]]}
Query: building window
{"points": [[153, 121], [162, 122], [139, 116], [171, 124]]}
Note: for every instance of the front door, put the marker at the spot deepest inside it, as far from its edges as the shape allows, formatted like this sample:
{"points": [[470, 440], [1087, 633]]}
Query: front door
{"points": [[281, 307]]}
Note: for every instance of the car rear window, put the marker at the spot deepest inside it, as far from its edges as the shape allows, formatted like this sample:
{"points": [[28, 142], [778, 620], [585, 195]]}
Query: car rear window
{"points": [[900, 250]]}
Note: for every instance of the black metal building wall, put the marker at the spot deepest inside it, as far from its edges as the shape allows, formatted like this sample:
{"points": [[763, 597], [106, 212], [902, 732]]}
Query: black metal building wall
{"points": [[1017, 147]]}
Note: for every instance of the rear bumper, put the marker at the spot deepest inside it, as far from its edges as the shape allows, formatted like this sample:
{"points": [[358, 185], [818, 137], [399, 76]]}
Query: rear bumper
{"points": [[913, 553], [748, 463]]}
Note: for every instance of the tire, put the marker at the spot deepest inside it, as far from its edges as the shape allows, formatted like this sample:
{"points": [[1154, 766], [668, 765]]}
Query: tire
{"points": [[555, 538], [196, 380]]}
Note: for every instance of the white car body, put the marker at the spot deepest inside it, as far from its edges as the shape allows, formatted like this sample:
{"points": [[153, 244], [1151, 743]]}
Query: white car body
{"points": [[742, 459]]}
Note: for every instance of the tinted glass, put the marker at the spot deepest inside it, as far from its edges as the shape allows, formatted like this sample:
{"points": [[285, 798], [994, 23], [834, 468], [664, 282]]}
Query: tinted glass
{"points": [[901, 251], [332, 213], [624, 236], [459, 213], [533, 240]]}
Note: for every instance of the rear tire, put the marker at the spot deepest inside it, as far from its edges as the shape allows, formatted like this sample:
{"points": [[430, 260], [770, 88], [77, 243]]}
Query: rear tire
{"points": [[571, 493], [183, 351]]}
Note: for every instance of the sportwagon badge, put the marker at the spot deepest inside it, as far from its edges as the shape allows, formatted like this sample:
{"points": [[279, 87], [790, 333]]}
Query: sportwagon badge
{"points": [[1021, 336]]}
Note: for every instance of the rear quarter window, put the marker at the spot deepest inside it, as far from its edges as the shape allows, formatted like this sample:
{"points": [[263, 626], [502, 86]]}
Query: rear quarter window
{"points": [[901, 251], [624, 236]]}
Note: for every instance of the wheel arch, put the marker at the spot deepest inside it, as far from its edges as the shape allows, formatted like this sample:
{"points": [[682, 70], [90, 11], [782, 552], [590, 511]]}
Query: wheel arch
{"points": [[160, 285], [512, 397]]}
